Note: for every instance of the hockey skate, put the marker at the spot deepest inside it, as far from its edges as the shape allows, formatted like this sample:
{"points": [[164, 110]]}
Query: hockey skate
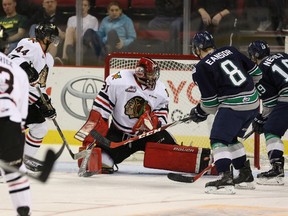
{"points": [[224, 185], [32, 165], [274, 176], [23, 211], [107, 164], [245, 178]]}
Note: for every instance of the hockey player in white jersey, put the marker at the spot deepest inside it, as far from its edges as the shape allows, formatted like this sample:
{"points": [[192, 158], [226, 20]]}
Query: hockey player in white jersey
{"points": [[14, 88], [31, 54], [137, 101]]}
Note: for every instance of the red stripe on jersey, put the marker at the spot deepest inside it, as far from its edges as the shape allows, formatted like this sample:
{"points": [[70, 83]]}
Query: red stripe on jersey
{"points": [[33, 140], [161, 113], [103, 102]]}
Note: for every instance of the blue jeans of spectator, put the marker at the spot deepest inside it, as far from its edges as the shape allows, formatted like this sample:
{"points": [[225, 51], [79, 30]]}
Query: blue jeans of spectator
{"points": [[91, 40]]}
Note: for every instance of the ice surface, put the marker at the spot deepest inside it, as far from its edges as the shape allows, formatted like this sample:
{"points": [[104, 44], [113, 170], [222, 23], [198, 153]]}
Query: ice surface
{"points": [[138, 191]]}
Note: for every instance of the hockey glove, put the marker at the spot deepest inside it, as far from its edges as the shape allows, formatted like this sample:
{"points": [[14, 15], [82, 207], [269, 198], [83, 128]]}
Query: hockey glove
{"points": [[46, 107], [146, 122], [258, 123], [197, 114], [31, 72]]}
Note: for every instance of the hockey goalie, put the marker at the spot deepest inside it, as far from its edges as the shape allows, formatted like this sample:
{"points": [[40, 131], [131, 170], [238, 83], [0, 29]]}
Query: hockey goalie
{"points": [[136, 101]]}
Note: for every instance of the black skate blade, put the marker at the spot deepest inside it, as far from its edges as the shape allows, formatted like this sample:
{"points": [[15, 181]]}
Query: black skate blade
{"points": [[180, 178]]}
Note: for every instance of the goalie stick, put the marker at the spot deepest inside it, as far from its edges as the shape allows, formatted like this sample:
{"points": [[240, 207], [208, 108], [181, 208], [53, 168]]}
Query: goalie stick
{"points": [[82, 172], [48, 163], [104, 141], [189, 179], [75, 156]]}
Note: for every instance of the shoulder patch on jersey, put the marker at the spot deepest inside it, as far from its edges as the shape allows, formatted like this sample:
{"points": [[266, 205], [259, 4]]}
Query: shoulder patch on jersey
{"points": [[136, 106], [116, 76], [131, 89]]}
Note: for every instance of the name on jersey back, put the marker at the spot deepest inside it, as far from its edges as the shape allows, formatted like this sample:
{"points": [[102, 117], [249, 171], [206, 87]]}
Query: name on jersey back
{"points": [[218, 56]]}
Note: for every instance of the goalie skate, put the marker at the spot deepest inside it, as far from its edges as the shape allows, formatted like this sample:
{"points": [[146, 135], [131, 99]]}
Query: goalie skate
{"points": [[224, 185]]}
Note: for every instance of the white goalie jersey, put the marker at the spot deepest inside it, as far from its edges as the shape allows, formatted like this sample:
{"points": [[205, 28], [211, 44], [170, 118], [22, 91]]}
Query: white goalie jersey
{"points": [[30, 50], [123, 98]]}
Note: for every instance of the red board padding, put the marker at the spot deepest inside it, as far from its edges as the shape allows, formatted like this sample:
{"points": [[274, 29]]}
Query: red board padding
{"points": [[176, 158], [95, 161]]}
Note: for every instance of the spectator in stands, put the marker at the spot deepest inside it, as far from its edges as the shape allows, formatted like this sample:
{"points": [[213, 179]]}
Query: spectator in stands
{"points": [[217, 18], [169, 17], [116, 33], [47, 14], [272, 15], [89, 22], [15, 25]]}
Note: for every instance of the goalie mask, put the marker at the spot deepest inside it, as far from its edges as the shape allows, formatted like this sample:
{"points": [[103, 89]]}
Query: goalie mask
{"points": [[258, 50], [48, 31], [202, 41], [147, 72]]}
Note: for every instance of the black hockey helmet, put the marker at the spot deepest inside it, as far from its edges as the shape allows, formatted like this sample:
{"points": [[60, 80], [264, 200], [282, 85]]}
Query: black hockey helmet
{"points": [[202, 41], [49, 31], [258, 49], [147, 72]]}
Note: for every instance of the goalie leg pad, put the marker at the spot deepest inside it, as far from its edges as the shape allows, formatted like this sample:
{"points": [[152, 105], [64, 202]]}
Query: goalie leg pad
{"points": [[177, 158], [95, 161]]}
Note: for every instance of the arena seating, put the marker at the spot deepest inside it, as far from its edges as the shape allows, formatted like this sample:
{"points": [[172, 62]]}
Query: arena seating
{"points": [[142, 9]]}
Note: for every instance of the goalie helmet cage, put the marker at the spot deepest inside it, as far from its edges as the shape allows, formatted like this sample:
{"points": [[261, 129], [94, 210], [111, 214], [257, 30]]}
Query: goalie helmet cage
{"points": [[171, 62]]}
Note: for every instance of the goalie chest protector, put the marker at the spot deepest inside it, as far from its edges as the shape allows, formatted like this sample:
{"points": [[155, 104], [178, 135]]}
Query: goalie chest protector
{"points": [[177, 158]]}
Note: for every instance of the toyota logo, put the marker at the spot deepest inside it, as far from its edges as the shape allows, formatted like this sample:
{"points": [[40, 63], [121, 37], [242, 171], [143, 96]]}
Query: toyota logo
{"points": [[84, 88]]}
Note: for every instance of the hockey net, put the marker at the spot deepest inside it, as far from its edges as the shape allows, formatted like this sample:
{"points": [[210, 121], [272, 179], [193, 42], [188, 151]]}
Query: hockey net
{"points": [[175, 73]]}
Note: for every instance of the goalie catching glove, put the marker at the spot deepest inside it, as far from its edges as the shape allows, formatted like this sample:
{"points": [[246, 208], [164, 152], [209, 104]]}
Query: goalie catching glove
{"points": [[258, 123], [146, 123], [197, 114], [46, 107]]}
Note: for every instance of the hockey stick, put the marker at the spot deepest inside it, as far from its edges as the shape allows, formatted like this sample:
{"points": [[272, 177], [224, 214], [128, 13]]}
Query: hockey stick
{"points": [[75, 156], [248, 135], [189, 179], [104, 141], [48, 163], [82, 172]]}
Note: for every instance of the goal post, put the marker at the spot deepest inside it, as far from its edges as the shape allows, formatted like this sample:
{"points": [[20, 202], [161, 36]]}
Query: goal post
{"points": [[175, 73]]}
